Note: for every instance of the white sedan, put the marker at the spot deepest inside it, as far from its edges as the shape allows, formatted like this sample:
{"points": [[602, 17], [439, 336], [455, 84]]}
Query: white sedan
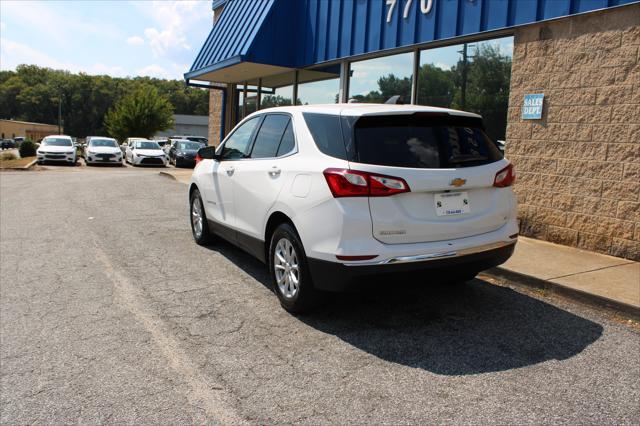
{"points": [[145, 152], [101, 150], [57, 148]]}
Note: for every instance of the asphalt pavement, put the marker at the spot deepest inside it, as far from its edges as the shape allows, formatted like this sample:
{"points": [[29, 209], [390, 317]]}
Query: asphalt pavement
{"points": [[110, 313]]}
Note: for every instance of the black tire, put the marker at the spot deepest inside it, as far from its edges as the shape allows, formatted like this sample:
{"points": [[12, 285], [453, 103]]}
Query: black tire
{"points": [[306, 297], [204, 237]]}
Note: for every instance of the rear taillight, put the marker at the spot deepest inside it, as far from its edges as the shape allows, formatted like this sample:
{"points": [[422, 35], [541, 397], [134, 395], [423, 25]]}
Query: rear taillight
{"points": [[505, 177], [198, 159], [355, 183]]}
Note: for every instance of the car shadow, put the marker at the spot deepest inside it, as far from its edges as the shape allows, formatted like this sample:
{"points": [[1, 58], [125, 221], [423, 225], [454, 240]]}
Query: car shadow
{"points": [[447, 329]]}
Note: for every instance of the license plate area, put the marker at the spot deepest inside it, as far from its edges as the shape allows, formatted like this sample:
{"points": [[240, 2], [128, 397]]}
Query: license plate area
{"points": [[452, 203]]}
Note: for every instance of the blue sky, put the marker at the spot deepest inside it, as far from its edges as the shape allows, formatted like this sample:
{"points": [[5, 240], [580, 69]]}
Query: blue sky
{"points": [[152, 38], [118, 38]]}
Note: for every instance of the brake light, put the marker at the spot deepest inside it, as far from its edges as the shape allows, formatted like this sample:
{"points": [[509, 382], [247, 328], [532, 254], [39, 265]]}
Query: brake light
{"points": [[505, 177], [198, 159], [355, 183]]}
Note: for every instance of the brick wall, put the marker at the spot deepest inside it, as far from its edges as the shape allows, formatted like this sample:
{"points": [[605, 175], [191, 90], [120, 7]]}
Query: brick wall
{"points": [[579, 166], [215, 109]]}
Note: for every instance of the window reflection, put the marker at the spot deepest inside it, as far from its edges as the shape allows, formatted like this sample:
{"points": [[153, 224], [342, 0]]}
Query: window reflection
{"points": [[281, 96], [377, 80], [471, 77], [319, 92]]}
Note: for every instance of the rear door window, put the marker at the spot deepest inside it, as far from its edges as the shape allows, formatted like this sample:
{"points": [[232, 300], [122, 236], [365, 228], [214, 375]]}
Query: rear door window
{"points": [[423, 141], [325, 129], [269, 136]]}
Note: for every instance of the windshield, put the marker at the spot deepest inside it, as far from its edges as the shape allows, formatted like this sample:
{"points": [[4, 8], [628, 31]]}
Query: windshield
{"points": [[147, 145], [103, 142], [57, 142], [423, 141], [188, 146]]}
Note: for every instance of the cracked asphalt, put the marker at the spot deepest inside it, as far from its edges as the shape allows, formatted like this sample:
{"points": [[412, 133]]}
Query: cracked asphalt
{"points": [[109, 313]]}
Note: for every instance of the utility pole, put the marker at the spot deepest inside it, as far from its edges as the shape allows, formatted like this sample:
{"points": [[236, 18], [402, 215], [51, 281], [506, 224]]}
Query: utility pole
{"points": [[465, 69], [60, 113], [463, 98]]}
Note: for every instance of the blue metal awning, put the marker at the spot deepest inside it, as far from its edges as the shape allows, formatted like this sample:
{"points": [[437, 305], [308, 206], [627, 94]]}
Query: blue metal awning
{"points": [[258, 38], [230, 40]]}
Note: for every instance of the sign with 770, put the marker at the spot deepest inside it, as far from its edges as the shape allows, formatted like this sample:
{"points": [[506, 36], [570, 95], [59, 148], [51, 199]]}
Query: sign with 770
{"points": [[425, 7]]}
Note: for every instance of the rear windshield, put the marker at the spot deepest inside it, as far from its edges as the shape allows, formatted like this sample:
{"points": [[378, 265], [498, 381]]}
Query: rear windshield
{"points": [[422, 141]]}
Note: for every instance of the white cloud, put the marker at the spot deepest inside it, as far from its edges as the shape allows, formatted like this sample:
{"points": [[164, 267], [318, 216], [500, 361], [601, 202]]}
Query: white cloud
{"points": [[58, 27], [443, 66], [153, 70], [2, 26], [173, 20], [102, 69], [13, 54], [135, 40]]}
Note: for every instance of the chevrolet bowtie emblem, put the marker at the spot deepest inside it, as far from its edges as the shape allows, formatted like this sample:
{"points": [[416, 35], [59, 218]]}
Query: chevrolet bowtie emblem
{"points": [[457, 182]]}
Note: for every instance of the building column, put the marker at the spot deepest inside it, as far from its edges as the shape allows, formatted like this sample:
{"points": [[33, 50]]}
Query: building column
{"points": [[215, 116], [344, 82], [414, 77]]}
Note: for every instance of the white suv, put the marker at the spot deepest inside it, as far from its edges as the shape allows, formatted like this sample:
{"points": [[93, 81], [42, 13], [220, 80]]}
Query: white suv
{"points": [[327, 194]]}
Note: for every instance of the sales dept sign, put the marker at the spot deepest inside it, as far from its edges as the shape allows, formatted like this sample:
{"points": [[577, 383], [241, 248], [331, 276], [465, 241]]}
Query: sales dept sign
{"points": [[532, 107]]}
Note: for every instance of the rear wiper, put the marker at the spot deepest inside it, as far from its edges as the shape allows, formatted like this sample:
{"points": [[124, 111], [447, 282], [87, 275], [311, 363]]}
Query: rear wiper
{"points": [[467, 158]]}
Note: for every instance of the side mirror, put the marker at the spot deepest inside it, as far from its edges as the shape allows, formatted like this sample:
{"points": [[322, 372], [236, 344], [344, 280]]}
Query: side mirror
{"points": [[208, 153]]}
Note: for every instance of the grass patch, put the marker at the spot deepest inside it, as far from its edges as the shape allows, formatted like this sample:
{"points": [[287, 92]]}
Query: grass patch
{"points": [[14, 164]]}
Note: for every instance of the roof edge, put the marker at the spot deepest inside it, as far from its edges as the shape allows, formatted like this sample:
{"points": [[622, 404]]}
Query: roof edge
{"points": [[224, 64]]}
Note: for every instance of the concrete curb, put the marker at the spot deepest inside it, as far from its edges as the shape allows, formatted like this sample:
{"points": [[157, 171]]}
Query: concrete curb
{"points": [[169, 175], [25, 167], [578, 295]]}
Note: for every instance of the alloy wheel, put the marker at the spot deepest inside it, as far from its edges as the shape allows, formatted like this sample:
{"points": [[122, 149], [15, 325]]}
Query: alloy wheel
{"points": [[197, 219], [287, 268]]}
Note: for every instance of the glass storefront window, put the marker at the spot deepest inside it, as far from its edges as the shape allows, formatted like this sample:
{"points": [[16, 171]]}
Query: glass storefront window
{"points": [[376, 80], [281, 97], [319, 92], [471, 77]]}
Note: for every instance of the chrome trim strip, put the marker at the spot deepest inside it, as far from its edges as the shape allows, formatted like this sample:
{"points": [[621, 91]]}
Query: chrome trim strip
{"points": [[434, 256]]}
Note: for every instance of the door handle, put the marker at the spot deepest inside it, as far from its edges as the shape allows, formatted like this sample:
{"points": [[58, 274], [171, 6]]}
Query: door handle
{"points": [[230, 170], [275, 171]]}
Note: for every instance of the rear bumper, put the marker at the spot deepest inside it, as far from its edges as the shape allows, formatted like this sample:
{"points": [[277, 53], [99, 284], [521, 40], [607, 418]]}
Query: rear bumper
{"points": [[333, 276]]}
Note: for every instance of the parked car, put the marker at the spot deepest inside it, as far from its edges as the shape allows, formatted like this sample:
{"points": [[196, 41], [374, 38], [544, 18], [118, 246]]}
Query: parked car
{"points": [[182, 153], [129, 141], [7, 144], [326, 195], [57, 148], [200, 139], [162, 142], [102, 150], [145, 152]]}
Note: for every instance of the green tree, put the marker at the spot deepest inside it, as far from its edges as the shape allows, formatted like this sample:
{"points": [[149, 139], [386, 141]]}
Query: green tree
{"points": [[269, 101], [141, 113], [436, 86], [31, 93], [488, 78]]}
